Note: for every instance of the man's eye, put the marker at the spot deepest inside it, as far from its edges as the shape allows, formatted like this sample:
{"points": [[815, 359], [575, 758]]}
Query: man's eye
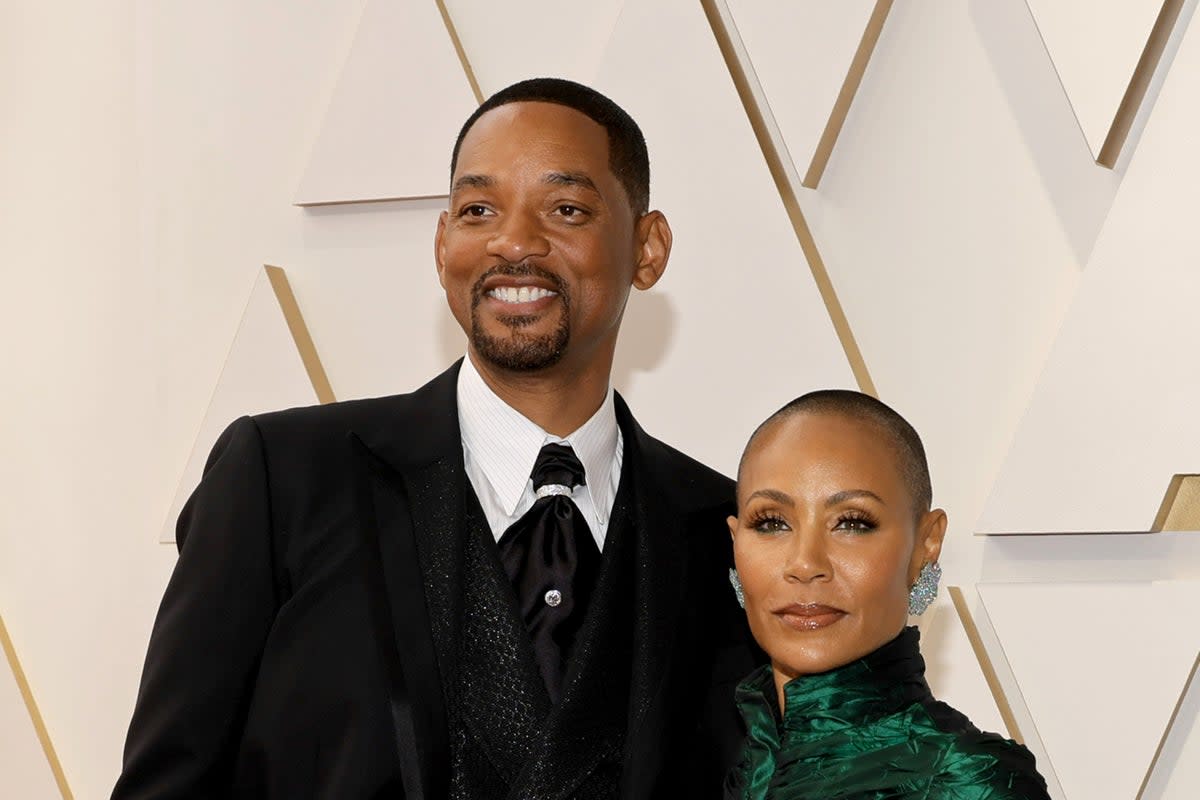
{"points": [[570, 211], [473, 210]]}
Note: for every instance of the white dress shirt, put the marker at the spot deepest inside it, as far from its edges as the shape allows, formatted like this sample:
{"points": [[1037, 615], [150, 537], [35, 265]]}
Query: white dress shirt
{"points": [[500, 447]]}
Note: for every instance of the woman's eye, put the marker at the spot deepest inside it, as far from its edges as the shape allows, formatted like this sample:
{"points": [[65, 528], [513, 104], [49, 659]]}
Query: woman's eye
{"points": [[769, 524], [855, 525]]}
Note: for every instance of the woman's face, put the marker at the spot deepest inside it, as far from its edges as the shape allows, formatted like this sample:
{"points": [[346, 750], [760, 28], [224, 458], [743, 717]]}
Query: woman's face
{"points": [[827, 542]]}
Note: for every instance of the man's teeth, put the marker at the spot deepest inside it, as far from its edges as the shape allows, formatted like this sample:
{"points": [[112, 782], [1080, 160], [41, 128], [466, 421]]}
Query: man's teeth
{"points": [[523, 294]]}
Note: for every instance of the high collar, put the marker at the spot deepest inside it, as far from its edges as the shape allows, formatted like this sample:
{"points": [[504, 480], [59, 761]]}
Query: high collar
{"points": [[505, 443], [881, 682]]}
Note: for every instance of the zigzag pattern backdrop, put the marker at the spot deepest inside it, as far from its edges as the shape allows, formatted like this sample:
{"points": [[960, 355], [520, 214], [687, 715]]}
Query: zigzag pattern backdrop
{"points": [[902, 197]]}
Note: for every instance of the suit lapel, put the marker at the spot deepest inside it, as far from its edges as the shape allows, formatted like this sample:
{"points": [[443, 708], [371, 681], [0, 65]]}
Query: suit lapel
{"points": [[403, 534], [471, 655], [660, 578]]}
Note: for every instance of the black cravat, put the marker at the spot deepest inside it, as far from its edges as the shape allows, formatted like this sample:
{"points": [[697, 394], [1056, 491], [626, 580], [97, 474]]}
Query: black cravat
{"points": [[552, 561]]}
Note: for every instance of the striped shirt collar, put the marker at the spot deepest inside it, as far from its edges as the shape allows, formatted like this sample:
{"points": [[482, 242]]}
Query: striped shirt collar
{"points": [[505, 444]]}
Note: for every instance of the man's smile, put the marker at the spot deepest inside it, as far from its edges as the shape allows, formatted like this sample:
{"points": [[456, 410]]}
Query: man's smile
{"points": [[520, 294]]}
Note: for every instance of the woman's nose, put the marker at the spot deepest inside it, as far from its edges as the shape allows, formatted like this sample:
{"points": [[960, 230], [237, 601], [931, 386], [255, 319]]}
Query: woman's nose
{"points": [[808, 558], [518, 237]]}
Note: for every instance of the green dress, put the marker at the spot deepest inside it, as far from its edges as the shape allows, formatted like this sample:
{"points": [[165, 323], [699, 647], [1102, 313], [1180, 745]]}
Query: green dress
{"points": [[871, 730]]}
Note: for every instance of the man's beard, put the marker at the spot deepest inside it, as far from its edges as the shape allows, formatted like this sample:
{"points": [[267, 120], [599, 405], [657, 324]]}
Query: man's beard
{"points": [[520, 351]]}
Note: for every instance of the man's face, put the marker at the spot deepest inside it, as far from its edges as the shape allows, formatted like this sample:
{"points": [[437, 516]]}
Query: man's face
{"points": [[537, 250]]}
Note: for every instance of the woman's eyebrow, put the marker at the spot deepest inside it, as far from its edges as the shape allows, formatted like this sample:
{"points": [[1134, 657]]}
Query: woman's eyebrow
{"points": [[774, 494], [852, 494]]}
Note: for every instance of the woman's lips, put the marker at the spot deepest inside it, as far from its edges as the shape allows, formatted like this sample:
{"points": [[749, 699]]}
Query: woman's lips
{"points": [[808, 616]]}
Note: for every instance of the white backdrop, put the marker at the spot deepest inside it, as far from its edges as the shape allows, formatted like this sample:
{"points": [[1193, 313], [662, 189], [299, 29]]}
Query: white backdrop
{"points": [[1030, 311]]}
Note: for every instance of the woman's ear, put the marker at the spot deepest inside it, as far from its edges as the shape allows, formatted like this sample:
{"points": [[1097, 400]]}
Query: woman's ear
{"points": [[732, 522], [931, 530], [653, 249]]}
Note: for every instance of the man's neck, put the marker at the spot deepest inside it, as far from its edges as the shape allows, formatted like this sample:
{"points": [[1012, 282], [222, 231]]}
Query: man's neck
{"points": [[559, 400]]}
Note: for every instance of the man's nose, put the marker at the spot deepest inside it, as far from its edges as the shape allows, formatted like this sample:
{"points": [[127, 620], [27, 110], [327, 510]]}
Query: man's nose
{"points": [[808, 557], [518, 237]]}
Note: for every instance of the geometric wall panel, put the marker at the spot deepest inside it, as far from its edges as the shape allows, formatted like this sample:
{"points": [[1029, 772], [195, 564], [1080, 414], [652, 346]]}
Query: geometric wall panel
{"points": [[1100, 667], [398, 105], [959, 670], [1176, 771], [1105, 55], [738, 290], [805, 60], [29, 767], [264, 371], [571, 39], [1114, 414]]}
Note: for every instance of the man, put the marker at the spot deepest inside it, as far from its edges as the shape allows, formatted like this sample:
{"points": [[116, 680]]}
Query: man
{"points": [[386, 597]]}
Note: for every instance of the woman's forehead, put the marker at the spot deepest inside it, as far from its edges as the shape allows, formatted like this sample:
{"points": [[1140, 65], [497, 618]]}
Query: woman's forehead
{"points": [[808, 447]]}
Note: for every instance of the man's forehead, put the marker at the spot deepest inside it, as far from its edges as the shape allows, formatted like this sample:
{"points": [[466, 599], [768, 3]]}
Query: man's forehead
{"points": [[524, 121]]}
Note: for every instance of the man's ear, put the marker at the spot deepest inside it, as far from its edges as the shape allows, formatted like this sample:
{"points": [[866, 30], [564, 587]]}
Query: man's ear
{"points": [[931, 531], [439, 247], [653, 236]]}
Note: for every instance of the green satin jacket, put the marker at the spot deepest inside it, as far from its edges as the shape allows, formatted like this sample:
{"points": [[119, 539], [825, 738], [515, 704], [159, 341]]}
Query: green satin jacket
{"points": [[871, 730]]}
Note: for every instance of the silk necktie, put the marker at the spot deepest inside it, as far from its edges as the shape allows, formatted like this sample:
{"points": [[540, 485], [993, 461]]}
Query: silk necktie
{"points": [[552, 560]]}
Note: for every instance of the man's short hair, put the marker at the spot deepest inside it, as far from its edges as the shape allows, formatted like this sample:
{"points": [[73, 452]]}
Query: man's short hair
{"points": [[910, 453], [627, 156]]}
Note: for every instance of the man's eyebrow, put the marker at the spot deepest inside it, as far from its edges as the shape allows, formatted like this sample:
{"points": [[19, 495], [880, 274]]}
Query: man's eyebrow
{"points": [[570, 179], [783, 498], [472, 182], [851, 494]]}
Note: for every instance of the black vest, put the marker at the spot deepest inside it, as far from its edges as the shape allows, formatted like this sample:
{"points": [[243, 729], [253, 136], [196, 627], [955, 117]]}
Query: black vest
{"points": [[505, 738]]}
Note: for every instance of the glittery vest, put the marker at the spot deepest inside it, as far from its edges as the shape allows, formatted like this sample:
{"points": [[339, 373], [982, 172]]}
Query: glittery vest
{"points": [[505, 738]]}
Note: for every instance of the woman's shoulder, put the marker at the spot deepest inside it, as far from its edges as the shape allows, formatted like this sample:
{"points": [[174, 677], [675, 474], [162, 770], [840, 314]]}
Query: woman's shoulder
{"points": [[981, 759]]}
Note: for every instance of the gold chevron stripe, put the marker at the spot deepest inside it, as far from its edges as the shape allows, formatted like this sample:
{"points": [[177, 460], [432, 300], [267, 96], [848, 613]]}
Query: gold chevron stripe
{"points": [[1187, 685], [39, 725], [300, 335], [458, 48], [1180, 509], [808, 245], [1139, 83], [985, 664], [841, 107]]}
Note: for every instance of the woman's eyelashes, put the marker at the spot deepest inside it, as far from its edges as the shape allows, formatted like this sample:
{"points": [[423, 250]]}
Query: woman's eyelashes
{"points": [[855, 522], [768, 522]]}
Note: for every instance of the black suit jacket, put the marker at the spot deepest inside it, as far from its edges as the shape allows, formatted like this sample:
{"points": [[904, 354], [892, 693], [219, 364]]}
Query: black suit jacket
{"points": [[293, 654]]}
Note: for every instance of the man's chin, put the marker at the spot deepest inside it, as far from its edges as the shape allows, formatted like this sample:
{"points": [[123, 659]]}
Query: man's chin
{"points": [[519, 353]]}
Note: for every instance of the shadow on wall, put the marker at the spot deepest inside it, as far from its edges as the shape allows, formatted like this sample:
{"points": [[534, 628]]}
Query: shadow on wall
{"points": [[646, 334], [935, 634], [450, 340], [1080, 190]]}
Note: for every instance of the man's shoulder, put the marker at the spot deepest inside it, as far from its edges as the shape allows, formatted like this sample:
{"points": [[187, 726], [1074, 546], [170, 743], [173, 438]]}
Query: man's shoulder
{"points": [[686, 472], [338, 417], [687, 484]]}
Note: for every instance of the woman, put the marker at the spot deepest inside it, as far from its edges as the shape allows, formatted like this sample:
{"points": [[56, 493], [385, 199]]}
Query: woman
{"points": [[835, 544]]}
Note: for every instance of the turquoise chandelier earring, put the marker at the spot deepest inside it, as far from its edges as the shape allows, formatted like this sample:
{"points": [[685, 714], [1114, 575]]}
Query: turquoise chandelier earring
{"points": [[736, 582], [923, 592]]}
